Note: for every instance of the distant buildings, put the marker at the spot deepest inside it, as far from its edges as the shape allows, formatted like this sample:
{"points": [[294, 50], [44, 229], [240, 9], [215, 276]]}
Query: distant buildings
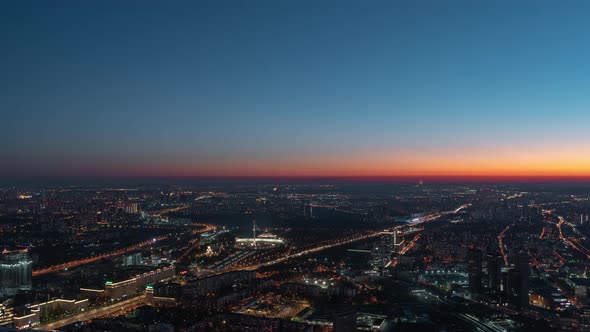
{"points": [[132, 208]]}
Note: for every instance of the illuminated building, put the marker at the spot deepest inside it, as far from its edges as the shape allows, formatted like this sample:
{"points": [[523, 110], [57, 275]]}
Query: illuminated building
{"points": [[133, 259], [263, 241], [6, 312], [132, 208], [15, 272], [117, 290], [379, 256], [33, 316]]}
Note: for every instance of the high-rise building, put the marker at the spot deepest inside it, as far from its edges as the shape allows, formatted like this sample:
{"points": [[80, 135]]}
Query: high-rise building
{"points": [[494, 269], [379, 255], [16, 272], [518, 281], [475, 269]]}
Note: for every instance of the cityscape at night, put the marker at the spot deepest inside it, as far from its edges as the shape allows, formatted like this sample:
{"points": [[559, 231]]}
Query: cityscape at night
{"points": [[304, 166]]}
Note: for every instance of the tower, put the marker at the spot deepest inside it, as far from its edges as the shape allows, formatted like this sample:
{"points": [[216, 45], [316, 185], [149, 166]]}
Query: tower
{"points": [[474, 268], [494, 269], [518, 280]]}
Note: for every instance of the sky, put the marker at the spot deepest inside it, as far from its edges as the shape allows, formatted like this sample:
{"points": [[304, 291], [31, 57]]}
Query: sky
{"points": [[294, 88]]}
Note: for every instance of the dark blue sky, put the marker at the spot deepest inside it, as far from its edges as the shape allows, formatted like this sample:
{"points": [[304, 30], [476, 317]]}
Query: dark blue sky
{"points": [[294, 87]]}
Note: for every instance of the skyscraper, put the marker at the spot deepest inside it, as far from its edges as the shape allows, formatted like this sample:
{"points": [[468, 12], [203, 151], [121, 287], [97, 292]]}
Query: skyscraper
{"points": [[494, 269], [475, 270], [518, 281], [15, 272]]}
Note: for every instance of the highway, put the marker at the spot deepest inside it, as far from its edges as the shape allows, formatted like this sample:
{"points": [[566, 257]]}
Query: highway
{"points": [[83, 261], [78, 262], [478, 324], [174, 209], [123, 306], [572, 242], [311, 251], [410, 244], [423, 219], [194, 243]]}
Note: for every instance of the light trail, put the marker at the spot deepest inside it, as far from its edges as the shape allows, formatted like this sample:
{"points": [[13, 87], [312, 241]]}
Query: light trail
{"points": [[410, 244], [78, 262], [164, 211], [542, 233], [570, 242]]}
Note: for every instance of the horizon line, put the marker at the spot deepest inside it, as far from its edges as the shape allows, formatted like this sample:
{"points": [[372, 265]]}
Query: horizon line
{"points": [[351, 178]]}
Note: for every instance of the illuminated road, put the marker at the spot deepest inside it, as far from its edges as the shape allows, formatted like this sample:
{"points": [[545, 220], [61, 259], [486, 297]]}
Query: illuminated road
{"points": [[164, 211], [478, 324], [410, 245], [194, 243], [78, 262], [121, 307], [423, 219], [572, 242], [308, 251], [71, 264], [543, 233], [435, 216]]}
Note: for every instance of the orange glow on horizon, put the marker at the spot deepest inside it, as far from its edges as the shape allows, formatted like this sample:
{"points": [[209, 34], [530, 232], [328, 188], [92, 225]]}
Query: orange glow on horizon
{"points": [[484, 162]]}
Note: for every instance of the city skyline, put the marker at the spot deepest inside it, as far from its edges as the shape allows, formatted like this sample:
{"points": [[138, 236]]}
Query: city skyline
{"points": [[340, 89], [294, 166]]}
